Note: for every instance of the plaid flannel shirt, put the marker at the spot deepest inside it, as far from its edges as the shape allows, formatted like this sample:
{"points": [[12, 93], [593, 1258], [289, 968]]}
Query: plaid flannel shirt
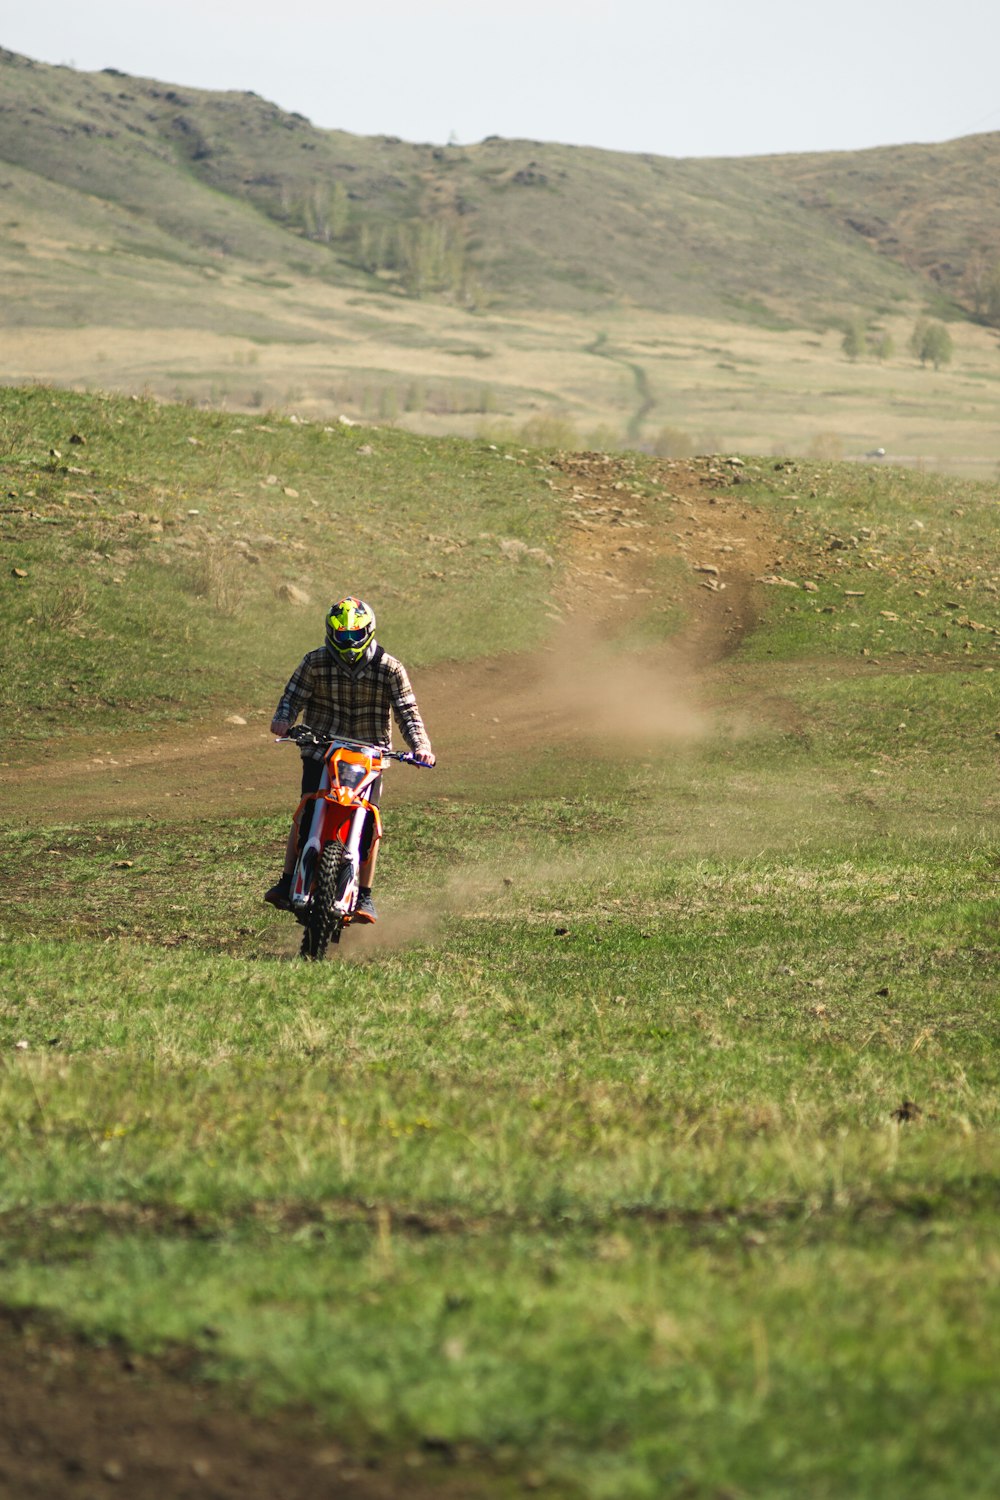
{"points": [[333, 701]]}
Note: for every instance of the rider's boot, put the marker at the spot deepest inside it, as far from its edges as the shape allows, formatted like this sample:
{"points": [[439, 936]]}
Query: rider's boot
{"points": [[364, 910], [280, 892]]}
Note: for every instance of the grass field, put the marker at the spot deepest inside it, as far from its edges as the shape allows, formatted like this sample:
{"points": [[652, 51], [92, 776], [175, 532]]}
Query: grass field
{"points": [[652, 1152], [617, 380]]}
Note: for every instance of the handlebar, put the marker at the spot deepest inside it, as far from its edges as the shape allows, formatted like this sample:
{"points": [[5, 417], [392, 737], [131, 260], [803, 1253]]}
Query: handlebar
{"points": [[301, 734]]}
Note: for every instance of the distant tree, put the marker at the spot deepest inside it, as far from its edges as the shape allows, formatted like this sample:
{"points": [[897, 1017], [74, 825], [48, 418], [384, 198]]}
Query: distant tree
{"points": [[549, 430], [672, 442], [374, 248], [931, 341], [416, 396], [884, 347], [977, 274], [326, 211], [471, 293], [992, 296], [941, 346], [855, 340], [439, 401], [982, 284], [917, 340], [431, 256], [826, 446], [603, 439]]}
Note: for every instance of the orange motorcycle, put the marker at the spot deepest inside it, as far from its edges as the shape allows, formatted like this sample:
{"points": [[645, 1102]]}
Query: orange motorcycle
{"points": [[331, 823]]}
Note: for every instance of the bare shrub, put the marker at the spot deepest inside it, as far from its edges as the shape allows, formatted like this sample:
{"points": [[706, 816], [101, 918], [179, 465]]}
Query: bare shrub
{"points": [[217, 577], [604, 439], [416, 396], [826, 446], [549, 430], [673, 442], [67, 606]]}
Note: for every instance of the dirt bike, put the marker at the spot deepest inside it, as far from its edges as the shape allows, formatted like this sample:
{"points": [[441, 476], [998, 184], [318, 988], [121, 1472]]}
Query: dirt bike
{"points": [[331, 822]]}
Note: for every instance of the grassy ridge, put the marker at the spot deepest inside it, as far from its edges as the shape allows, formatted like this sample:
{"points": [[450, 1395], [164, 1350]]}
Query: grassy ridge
{"points": [[148, 555], [194, 176], [655, 1151]]}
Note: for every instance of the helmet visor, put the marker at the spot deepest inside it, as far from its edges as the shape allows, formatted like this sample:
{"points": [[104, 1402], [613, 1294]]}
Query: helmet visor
{"points": [[351, 640]]}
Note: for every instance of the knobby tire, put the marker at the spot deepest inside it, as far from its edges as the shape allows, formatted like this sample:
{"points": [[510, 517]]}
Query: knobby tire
{"points": [[323, 923]]}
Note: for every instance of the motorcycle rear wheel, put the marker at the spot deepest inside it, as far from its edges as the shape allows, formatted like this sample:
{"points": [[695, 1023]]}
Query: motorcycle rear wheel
{"points": [[323, 925]]}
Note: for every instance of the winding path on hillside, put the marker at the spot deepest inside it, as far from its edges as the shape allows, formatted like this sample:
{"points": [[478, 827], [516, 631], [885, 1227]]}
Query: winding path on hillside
{"points": [[646, 400]]}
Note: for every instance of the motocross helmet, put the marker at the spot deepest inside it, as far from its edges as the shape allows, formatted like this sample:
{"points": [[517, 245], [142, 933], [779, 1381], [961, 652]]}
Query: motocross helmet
{"points": [[350, 630]]}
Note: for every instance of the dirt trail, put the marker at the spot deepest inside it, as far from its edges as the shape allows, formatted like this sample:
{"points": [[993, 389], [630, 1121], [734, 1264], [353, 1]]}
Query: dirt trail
{"points": [[620, 536], [620, 541]]}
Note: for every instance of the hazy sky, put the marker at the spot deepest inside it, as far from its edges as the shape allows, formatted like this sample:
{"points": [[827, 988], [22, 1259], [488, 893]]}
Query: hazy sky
{"points": [[709, 78]]}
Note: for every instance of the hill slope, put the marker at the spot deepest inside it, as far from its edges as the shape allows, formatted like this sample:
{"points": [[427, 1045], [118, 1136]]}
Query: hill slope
{"points": [[212, 248], [198, 177]]}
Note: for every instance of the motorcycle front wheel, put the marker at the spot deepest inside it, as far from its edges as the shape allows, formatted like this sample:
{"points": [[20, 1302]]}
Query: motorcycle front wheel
{"points": [[323, 924]]}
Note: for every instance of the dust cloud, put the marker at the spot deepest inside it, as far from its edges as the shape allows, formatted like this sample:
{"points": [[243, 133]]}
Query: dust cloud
{"points": [[581, 694], [600, 697], [466, 888]]}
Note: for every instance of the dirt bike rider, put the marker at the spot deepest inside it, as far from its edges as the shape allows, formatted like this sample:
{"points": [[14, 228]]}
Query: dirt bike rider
{"points": [[349, 686]]}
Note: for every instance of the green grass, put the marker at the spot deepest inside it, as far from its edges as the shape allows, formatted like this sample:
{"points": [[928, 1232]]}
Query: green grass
{"points": [[490, 1369], [901, 565], [152, 552], [654, 1150], [629, 1205]]}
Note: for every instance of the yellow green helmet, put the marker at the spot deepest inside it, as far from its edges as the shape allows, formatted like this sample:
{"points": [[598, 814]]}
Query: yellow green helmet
{"points": [[350, 629]]}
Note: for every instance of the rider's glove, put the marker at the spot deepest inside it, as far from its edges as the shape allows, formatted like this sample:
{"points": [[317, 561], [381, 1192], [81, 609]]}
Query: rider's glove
{"points": [[280, 728], [424, 757]]}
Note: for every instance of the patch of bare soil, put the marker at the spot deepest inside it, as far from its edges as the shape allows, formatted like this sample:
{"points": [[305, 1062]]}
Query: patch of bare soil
{"points": [[82, 1423], [620, 533]]}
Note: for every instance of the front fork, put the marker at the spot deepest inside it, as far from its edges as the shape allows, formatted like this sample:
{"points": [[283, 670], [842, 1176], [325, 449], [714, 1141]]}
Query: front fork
{"points": [[324, 828]]}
